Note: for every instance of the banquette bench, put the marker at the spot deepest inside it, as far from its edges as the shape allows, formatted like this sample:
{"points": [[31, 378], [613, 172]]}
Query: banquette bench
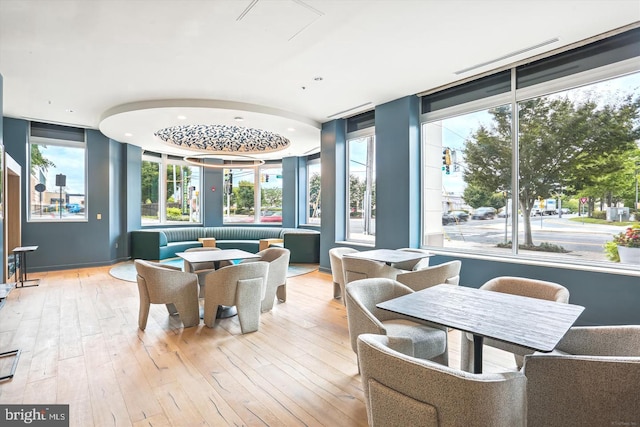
{"points": [[162, 243]]}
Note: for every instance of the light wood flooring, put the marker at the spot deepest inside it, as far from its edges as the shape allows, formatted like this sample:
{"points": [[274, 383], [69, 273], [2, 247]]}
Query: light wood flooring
{"points": [[78, 332]]}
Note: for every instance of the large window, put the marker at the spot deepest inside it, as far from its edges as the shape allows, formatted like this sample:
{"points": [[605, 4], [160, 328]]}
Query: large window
{"points": [[361, 203], [246, 202], [57, 178], [171, 190], [314, 192], [570, 157]]}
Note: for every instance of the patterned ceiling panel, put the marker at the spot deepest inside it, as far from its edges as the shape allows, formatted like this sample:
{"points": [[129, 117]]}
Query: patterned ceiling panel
{"points": [[223, 139]]}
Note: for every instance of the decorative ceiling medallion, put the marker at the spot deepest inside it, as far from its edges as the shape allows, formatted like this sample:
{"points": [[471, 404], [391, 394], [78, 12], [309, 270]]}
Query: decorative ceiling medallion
{"points": [[223, 139], [229, 161]]}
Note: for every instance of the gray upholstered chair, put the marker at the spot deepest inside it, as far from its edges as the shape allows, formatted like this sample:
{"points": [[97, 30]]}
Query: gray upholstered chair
{"points": [[531, 288], [240, 285], [364, 317], [591, 379], [337, 272], [202, 268], [448, 272], [416, 264], [401, 390], [278, 259], [163, 284], [359, 268]]}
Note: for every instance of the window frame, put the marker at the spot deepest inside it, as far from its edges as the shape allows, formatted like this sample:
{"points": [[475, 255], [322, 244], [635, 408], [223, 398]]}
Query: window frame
{"points": [[512, 98], [164, 161], [70, 143], [369, 135]]}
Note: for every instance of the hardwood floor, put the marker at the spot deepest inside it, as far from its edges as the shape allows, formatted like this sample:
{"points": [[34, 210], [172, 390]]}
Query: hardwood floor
{"points": [[78, 332]]}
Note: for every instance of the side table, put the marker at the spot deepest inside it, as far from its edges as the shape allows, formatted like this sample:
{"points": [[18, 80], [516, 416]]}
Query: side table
{"points": [[21, 260], [207, 242]]}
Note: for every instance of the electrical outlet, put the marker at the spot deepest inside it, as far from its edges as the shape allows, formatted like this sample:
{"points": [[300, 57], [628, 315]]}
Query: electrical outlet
{"points": [[99, 216]]}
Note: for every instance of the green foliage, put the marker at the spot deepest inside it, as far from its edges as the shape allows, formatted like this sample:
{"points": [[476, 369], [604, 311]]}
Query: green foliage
{"points": [[543, 247], [37, 159], [611, 251], [578, 144], [174, 214]]}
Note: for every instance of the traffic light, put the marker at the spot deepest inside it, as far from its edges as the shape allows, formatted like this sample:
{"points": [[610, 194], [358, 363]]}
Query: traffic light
{"points": [[446, 160], [266, 178]]}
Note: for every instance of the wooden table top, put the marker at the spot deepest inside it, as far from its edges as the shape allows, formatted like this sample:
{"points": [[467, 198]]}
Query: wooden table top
{"points": [[389, 256], [529, 322], [219, 255]]}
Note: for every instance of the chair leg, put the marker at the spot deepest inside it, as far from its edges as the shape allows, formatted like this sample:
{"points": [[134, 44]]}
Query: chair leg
{"points": [[248, 304], [281, 292], [337, 293], [210, 311], [143, 315], [189, 314]]}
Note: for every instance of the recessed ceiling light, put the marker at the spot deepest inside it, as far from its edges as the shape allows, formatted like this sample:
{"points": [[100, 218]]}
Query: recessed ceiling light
{"points": [[181, 117], [238, 119], [128, 134], [291, 129]]}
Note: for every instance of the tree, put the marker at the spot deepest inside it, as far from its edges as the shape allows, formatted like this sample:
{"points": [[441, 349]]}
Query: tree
{"points": [[244, 195], [271, 197], [314, 195], [38, 160], [149, 184], [562, 143]]}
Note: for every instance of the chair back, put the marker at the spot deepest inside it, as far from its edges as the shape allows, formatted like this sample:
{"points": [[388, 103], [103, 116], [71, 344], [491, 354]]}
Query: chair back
{"points": [[335, 259], [596, 384], [448, 273], [361, 298], [157, 280], [532, 288], [222, 284], [401, 390], [278, 259], [358, 268], [192, 267]]}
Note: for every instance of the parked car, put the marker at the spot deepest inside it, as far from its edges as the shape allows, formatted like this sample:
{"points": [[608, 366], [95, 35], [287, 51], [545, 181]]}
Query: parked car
{"points": [[460, 216], [447, 219], [271, 216], [73, 208], [484, 213]]}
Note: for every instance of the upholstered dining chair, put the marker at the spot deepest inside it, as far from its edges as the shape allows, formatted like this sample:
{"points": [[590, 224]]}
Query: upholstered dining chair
{"points": [[239, 285], [364, 317], [359, 268], [591, 379], [278, 259], [164, 284], [202, 268], [448, 272], [522, 286], [401, 390], [337, 272]]}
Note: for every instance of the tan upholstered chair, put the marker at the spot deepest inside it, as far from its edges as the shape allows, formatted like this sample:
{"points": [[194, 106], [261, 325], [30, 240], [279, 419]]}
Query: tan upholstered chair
{"points": [[240, 285], [531, 288], [414, 265], [358, 268], [202, 268], [591, 379], [337, 272], [163, 284], [278, 259], [401, 390], [448, 272], [363, 317]]}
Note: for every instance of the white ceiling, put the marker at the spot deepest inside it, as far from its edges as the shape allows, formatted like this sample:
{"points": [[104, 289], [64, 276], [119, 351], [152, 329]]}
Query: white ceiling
{"points": [[133, 66]]}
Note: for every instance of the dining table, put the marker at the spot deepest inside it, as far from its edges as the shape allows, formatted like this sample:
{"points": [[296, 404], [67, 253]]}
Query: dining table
{"points": [[389, 256], [528, 322]]}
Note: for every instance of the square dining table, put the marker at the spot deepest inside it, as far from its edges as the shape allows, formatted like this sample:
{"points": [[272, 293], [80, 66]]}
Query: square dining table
{"points": [[389, 256], [216, 256], [528, 322]]}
